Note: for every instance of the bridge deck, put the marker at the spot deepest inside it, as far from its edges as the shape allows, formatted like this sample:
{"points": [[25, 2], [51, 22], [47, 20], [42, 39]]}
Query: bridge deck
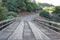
{"points": [[28, 30], [53, 35]]}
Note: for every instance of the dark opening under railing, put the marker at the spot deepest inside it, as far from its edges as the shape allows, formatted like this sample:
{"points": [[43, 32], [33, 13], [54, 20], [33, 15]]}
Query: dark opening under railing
{"points": [[5, 23]]}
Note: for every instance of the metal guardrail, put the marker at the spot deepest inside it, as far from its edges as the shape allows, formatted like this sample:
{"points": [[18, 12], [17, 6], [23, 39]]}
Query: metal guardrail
{"points": [[4, 23]]}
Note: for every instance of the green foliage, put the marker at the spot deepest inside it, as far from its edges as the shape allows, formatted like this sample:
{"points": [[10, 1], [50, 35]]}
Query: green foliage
{"points": [[14, 5], [9, 17], [11, 14], [10, 4], [45, 4], [0, 2], [31, 6], [56, 14], [49, 9], [34, 5], [3, 12], [44, 14], [57, 9], [19, 5]]}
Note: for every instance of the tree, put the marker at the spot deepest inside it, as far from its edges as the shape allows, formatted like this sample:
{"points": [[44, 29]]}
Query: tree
{"points": [[0, 2], [14, 5], [19, 5], [3, 11], [57, 9], [49, 8]]}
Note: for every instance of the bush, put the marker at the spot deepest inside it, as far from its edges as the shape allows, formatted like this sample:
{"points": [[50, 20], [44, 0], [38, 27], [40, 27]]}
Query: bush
{"points": [[56, 18], [44, 14], [31, 6], [35, 6], [52, 8], [57, 9], [11, 14], [3, 12], [9, 17], [19, 5]]}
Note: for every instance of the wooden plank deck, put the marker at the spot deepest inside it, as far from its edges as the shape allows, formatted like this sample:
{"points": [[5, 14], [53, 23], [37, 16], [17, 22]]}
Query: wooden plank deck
{"points": [[37, 33], [18, 34], [5, 33], [53, 35]]}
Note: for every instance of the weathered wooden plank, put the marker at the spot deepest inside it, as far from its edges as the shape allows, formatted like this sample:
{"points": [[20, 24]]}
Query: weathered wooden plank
{"points": [[18, 34], [5, 33], [7, 20], [51, 26], [3, 26], [37, 33], [48, 21], [53, 35]]}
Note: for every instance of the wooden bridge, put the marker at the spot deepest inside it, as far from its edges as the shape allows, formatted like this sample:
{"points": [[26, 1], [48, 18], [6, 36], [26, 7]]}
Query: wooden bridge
{"points": [[29, 27]]}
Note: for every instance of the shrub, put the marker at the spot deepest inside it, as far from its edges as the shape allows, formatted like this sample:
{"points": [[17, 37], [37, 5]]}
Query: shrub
{"points": [[9, 17], [29, 7], [11, 14], [57, 10], [44, 14], [52, 8], [56, 18], [35, 6], [3, 12]]}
